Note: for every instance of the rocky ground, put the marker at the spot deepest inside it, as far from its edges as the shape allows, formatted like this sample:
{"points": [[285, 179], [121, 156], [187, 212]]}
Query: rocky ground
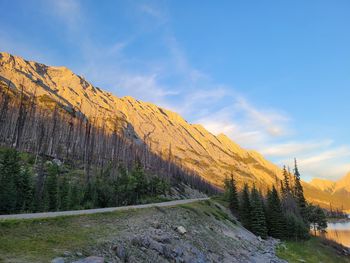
{"points": [[199, 232]]}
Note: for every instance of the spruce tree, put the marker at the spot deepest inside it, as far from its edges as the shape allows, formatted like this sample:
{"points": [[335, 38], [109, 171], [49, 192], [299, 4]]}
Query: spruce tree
{"points": [[299, 193], [286, 186], [63, 194], [231, 193], [25, 191], [275, 217], [245, 207], [140, 182], [52, 187], [90, 195], [74, 197], [257, 219], [9, 171]]}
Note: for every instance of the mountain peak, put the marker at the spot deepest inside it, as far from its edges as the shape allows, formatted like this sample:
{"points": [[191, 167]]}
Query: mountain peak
{"points": [[165, 132]]}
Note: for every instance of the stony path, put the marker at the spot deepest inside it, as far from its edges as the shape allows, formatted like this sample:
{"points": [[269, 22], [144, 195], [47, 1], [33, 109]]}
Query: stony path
{"points": [[98, 210]]}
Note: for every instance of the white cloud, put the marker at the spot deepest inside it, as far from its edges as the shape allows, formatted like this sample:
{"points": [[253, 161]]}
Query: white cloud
{"points": [[338, 152], [195, 94], [294, 148]]}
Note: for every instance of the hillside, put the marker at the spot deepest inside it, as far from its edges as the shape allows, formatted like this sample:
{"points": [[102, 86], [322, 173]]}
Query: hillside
{"points": [[144, 235], [165, 133]]}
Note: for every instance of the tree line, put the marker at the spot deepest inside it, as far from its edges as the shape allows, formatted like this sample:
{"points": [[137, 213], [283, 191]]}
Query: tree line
{"points": [[281, 213], [51, 130], [63, 191]]}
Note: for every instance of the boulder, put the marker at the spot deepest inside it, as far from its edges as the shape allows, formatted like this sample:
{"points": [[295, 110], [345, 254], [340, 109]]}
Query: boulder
{"points": [[121, 252], [67, 253], [181, 230]]}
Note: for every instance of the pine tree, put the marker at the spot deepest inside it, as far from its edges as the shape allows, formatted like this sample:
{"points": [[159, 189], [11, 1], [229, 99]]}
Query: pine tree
{"points": [[25, 190], [257, 219], [231, 192], [299, 193], [140, 181], [52, 188], [9, 171], [90, 195], [286, 186], [275, 217], [74, 197], [63, 194], [245, 208]]}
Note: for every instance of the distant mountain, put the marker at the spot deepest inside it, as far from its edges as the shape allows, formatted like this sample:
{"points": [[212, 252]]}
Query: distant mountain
{"points": [[165, 132], [337, 189], [323, 184]]}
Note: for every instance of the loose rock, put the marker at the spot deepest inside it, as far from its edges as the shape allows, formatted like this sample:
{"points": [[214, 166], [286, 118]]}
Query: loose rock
{"points": [[57, 260], [181, 230]]}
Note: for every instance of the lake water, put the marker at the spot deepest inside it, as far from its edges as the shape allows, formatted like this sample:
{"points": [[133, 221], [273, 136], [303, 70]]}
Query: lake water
{"points": [[339, 232]]}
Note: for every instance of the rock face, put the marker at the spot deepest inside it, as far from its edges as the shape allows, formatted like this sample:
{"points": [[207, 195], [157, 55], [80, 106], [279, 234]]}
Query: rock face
{"points": [[191, 145], [213, 157]]}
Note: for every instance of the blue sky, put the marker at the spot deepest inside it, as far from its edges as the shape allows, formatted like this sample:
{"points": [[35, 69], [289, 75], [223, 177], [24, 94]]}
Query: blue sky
{"points": [[272, 75]]}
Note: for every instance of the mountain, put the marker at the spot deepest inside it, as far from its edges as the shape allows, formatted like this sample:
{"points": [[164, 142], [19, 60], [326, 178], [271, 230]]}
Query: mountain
{"points": [[323, 184], [343, 183], [165, 132], [338, 190]]}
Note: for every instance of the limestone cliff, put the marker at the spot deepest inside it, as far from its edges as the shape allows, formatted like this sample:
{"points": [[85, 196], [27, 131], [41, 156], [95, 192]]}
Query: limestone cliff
{"points": [[165, 132]]}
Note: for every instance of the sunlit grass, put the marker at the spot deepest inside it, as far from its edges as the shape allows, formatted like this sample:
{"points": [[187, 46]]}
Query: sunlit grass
{"points": [[310, 251]]}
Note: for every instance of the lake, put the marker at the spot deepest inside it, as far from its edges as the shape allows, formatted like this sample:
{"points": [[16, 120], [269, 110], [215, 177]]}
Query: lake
{"points": [[339, 232]]}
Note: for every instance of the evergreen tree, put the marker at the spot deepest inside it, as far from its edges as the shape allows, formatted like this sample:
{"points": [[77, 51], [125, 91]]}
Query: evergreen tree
{"points": [[274, 214], [257, 216], [52, 187], [74, 197], [245, 208], [25, 191], [63, 194], [9, 171], [299, 193], [90, 195], [104, 192], [295, 227], [231, 194], [286, 185], [140, 183], [318, 219]]}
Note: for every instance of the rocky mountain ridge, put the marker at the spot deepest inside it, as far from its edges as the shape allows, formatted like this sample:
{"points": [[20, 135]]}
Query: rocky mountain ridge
{"points": [[165, 132]]}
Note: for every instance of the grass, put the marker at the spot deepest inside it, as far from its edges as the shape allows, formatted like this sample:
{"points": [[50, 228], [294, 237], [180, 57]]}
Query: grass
{"points": [[209, 208], [312, 251], [41, 240]]}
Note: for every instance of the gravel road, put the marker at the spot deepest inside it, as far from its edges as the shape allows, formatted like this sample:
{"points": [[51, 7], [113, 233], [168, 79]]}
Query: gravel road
{"points": [[98, 210]]}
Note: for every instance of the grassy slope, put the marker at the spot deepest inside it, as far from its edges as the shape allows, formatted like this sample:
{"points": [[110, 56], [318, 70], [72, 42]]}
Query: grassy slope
{"points": [[311, 251], [41, 240]]}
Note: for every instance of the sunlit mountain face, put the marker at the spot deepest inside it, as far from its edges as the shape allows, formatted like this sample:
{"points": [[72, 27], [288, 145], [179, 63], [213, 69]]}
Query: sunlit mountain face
{"points": [[165, 132]]}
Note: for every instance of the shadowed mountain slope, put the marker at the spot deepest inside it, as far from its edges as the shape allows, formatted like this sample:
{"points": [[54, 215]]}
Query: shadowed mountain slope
{"points": [[165, 132]]}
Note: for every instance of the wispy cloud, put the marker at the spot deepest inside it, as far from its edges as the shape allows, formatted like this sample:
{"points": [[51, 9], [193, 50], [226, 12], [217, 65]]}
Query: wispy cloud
{"points": [[194, 93], [294, 148], [67, 11]]}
